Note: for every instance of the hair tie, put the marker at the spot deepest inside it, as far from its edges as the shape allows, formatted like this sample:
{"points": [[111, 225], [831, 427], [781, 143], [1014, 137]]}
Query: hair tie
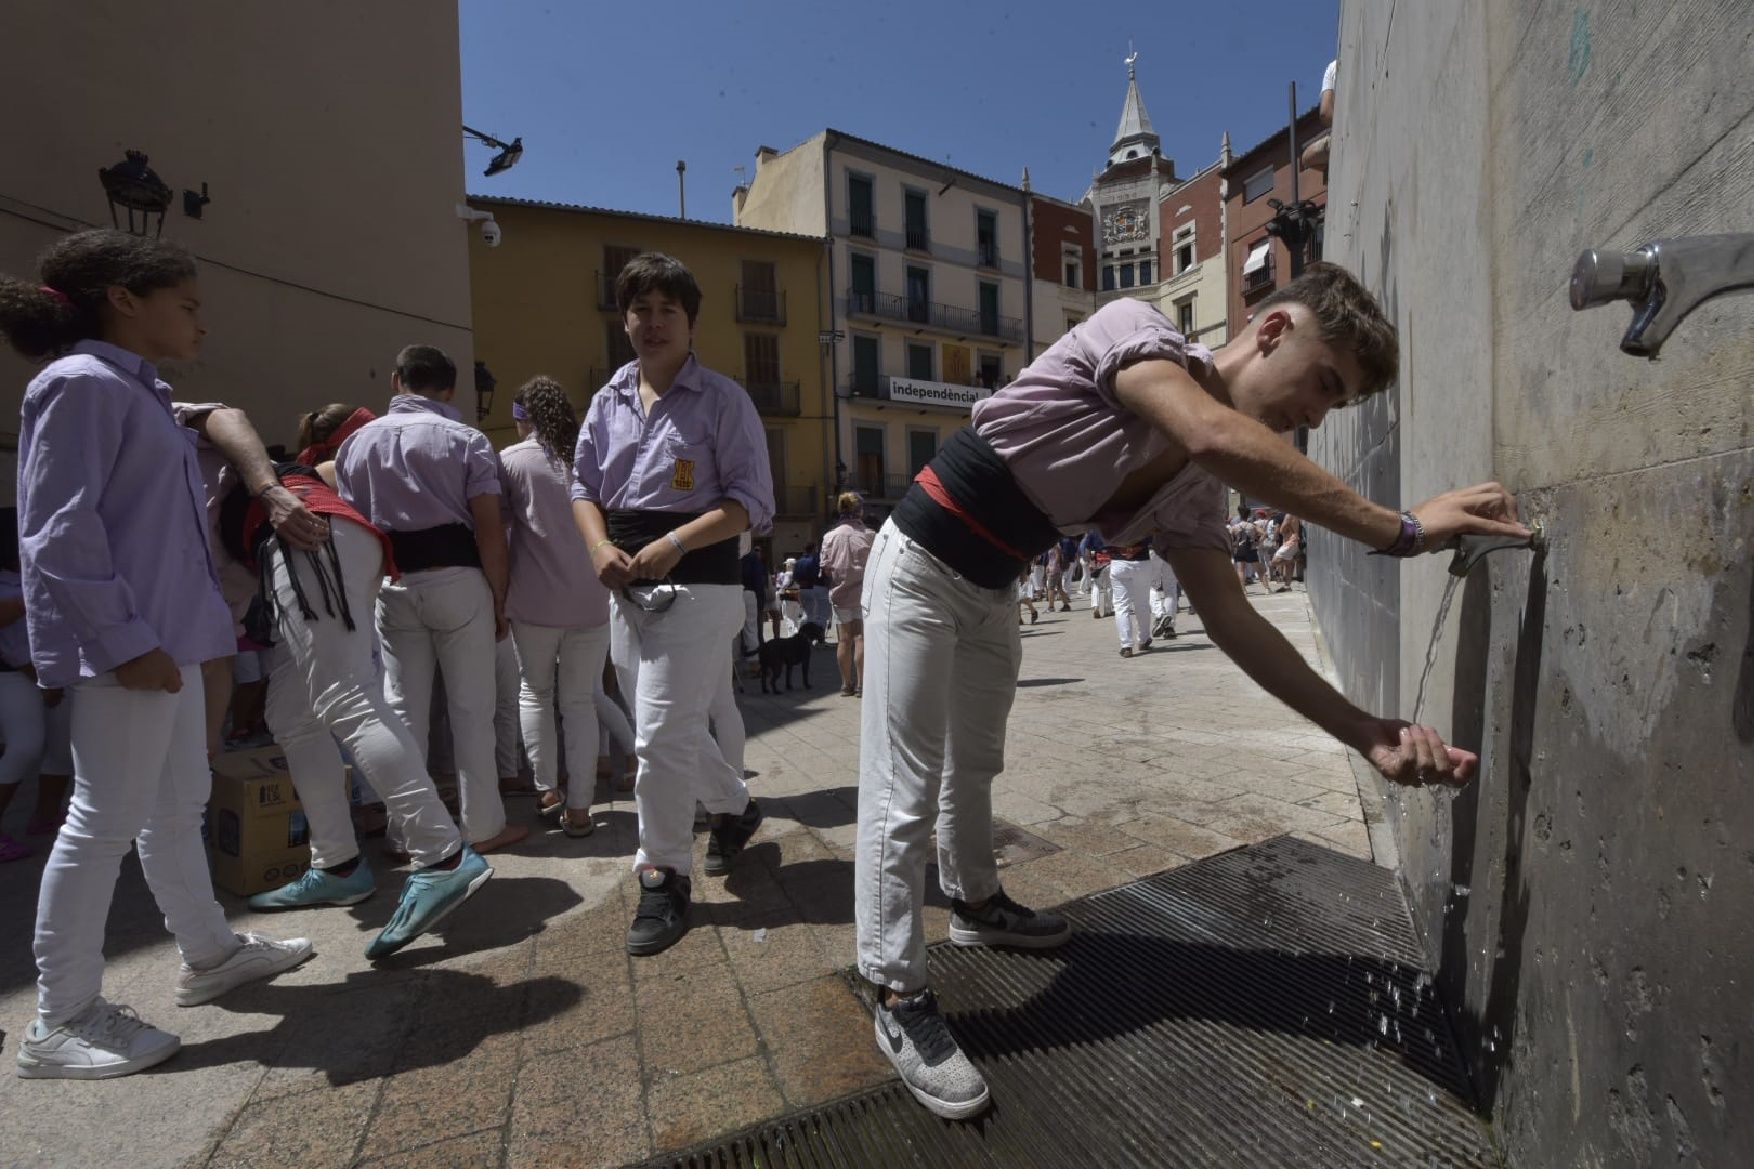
{"points": [[61, 297], [519, 414]]}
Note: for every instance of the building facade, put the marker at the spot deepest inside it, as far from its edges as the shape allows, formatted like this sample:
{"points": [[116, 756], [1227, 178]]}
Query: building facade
{"points": [[544, 302], [331, 236], [1063, 255], [929, 293], [1193, 287], [1257, 261]]}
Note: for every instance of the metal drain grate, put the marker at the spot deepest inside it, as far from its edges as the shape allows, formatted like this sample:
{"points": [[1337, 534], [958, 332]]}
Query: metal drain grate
{"points": [[1265, 1007]]}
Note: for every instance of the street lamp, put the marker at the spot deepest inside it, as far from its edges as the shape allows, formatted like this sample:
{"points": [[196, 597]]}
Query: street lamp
{"points": [[485, 383], [134, 185], [508, 156]]}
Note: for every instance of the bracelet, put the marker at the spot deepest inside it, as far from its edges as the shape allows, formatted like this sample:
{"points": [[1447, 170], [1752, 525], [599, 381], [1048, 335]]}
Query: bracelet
{"points": [[267, 489], [1411, 541], [592, 550], [681, 548]]}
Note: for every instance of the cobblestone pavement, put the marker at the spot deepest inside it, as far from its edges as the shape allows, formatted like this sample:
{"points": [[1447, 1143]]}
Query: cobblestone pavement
{"points": [[525, 1036]]}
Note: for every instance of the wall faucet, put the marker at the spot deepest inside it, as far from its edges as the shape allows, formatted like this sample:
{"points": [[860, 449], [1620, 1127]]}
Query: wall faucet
{"points": [[1665, 280], [1471, 550]]}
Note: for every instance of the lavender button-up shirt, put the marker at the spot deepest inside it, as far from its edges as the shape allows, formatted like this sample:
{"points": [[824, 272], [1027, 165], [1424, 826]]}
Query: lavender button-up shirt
{"points": [[416, 467], [553, 582], [1069, 442], [112, 522], [701, 445]]}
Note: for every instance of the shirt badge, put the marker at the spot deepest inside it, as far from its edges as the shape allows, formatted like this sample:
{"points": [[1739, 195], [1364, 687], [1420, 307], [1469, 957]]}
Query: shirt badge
{"points": [[683, 479]]}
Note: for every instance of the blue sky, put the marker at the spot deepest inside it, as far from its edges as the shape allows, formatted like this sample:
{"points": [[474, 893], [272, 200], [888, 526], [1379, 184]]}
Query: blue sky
{"points": [[608, 96]]}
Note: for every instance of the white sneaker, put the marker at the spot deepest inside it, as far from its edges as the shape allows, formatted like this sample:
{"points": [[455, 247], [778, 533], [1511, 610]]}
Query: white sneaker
{"points": [[256, 958], [100, 1043]]}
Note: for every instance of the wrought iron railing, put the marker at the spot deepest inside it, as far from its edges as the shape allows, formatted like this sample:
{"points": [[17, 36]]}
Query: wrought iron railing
{"points": [[917, 311]]}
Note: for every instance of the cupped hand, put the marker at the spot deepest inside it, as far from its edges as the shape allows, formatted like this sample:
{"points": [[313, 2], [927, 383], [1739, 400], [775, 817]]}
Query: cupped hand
{"points": [[1485, 509], [1416, 756]]}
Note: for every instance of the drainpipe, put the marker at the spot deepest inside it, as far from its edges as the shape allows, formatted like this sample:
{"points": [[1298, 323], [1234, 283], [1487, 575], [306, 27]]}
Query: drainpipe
{"points": [[833, 321], [1028, 272]]}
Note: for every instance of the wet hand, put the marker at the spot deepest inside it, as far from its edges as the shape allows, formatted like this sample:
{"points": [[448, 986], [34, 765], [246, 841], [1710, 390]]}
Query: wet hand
{"points": [[1485, 509], [612, 566], [295, 523], [153, 670], [655, 560], [1415, 756]]}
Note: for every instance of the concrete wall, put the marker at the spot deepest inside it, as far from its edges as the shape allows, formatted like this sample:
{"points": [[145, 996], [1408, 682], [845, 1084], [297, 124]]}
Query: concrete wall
{"points": [[332, 237], [1591, 896]]}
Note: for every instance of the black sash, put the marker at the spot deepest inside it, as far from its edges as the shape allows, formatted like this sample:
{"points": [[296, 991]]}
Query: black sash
{"points": [[446, 546], [633, 529], [974, 475]]}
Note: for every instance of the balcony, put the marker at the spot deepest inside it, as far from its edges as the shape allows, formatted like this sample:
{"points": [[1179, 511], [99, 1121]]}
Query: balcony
{"points": [[918, 239], [760, 306], [959, 322], [606, 291], [778, 398], [988, 254], [800, 503], [881, 487]]}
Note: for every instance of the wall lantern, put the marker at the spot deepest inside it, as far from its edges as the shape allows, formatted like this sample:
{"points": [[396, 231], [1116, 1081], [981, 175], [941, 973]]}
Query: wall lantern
{"points": [[134, 185], [484, 387]]}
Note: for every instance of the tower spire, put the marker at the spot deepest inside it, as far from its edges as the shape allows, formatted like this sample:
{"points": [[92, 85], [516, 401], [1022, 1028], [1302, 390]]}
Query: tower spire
{"points": [[1134, 138]]}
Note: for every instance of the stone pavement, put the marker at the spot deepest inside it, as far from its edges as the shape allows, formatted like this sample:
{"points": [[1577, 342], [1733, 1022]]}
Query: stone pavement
{"points": [[525, 1036]]}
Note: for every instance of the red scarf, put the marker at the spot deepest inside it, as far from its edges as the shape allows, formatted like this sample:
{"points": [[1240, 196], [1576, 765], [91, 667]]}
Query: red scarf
{"points": [[322, 452]]}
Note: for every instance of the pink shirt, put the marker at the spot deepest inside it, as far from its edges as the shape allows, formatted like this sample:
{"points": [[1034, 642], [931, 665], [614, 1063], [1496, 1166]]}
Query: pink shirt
{"points": [[552, 580], [1069, 442], [844, 552]]}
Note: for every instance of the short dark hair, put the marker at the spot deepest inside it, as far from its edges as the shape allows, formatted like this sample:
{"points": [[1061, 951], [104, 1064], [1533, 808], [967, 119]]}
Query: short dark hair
{"points": [[48, 316], [1346, 313], [656, 272], [426, 368]]}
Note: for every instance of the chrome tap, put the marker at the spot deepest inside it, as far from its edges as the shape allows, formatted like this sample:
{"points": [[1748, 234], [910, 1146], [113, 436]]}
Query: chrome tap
{"points": [[1665, 280]]}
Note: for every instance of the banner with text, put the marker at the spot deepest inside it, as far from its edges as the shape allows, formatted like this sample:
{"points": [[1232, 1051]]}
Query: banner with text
{"points": [[924, 393]]}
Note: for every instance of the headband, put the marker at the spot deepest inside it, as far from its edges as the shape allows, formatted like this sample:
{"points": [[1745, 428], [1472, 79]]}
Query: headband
{"points": [[519, 414], [60, 297], [319, 452]]}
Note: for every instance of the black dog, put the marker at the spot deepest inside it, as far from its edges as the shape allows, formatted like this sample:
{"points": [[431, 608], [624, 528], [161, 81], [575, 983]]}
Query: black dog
{"points": [[788, 652]]}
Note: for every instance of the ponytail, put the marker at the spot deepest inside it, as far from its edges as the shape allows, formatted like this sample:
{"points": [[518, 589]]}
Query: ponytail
{"points": [[45, 317], [551, 414]]}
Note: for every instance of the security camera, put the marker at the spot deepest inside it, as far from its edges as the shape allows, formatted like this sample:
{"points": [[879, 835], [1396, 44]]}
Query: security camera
{"points": [[490, 233]]}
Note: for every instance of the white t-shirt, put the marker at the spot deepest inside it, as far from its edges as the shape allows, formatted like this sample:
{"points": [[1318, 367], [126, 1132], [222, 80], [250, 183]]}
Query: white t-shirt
{"points": [[1328, 77]]}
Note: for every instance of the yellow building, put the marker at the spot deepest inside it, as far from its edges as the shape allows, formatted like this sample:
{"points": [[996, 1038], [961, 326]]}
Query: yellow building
{"points": [[544, 302]]}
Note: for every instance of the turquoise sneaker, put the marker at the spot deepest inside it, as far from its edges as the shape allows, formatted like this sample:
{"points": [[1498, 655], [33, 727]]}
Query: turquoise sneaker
{"points": [[427, 899], [317, 887]]}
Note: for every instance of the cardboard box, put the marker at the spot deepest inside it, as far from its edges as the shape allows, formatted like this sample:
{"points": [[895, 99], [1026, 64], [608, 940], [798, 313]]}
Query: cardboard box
{"points": [[258, 837]]}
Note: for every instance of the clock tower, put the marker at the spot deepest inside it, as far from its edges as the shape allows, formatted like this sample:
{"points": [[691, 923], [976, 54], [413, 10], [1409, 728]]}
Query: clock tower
{"points": [[1124, 200]]}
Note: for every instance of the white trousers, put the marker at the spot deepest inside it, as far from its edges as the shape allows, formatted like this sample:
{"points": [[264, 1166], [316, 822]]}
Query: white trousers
{"points": [[941, 662], [323, 684], [1101, 598], [508, 746], [36, 734], [565, 666], [751, 622], [140, 777], [817, 607], [444, 618], [727, 721], [1166, 590], [1132, 591], [671, 664]]}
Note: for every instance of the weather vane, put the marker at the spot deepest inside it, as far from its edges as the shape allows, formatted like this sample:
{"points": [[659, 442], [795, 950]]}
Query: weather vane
{"points": [[1132, 56]]}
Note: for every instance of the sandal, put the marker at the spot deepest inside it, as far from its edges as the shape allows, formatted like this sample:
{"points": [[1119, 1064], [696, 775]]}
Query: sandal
{"points": [[576, 822], [11, 850]]}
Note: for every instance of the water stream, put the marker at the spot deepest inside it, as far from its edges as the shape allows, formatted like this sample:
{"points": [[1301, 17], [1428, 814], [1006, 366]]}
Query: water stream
{"points": [[1449, 596]]}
